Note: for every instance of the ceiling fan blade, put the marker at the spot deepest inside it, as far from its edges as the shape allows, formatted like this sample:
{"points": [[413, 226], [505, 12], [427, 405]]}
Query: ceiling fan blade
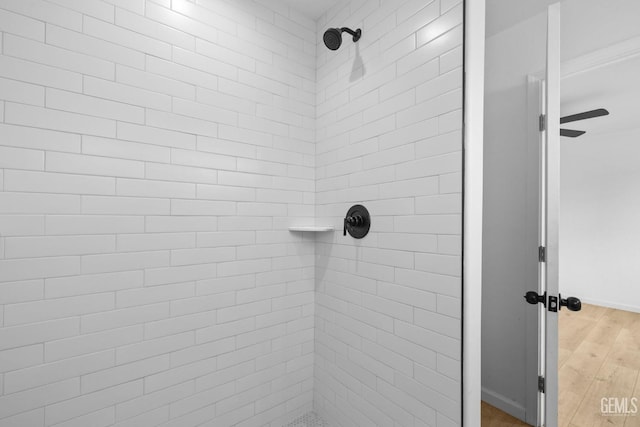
{"points": [[571, 133], [585, 115]]}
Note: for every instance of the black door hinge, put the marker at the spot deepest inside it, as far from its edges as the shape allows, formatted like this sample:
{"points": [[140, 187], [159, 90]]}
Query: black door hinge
{"points": [[542, 254], [542, 122], [541, 384]]}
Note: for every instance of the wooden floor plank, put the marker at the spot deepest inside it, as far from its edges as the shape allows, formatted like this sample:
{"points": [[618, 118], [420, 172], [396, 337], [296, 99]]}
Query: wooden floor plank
{"points": [[633, 420], [563, 355], [606, 330], [626, 350], [582, 366], [611, 381], [568, 404], [574, 330], [494, 417]]}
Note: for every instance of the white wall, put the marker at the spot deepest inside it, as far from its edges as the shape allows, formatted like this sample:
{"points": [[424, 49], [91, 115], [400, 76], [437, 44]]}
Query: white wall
{"points": [[616, 20], [151, 159], [388, 307], [600, 231]]}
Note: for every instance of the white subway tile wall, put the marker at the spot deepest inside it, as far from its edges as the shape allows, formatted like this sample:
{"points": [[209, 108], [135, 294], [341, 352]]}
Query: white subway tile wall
{"points": [[387, 307], [152, 156]]}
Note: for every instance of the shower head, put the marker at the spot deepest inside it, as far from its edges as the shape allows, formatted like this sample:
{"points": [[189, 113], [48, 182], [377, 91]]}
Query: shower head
{"points": [[333, 36]]}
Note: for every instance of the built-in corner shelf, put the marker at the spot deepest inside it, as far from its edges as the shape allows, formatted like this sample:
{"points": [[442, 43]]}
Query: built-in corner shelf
{"points": [[313, 228]]}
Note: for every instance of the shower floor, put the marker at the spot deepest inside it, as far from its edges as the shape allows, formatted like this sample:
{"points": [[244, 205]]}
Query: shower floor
{"points": [[310, 419]]}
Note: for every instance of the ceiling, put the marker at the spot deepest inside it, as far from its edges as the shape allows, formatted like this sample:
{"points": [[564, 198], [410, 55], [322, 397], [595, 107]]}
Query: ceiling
{"points": [[313, 9], [615, 87]]}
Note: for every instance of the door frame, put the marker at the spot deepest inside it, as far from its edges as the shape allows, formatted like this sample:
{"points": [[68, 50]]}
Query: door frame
{"points": [[550, 227], [473, 118]]}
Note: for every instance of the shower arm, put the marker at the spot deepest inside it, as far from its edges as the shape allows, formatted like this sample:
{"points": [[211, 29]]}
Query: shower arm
{"points": [[356, 34]]}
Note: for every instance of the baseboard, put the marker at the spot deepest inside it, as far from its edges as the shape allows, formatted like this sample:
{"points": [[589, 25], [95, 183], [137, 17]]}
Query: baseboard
{"points": [[503, 403], [609, 304]]}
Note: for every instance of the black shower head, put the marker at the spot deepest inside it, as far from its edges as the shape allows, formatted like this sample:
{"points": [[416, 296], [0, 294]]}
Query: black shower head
{"points": [[333, 36]]}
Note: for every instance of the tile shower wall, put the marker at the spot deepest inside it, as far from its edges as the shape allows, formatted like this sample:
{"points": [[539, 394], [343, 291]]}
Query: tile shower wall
{"points": [[152, 155], [389, 136]]}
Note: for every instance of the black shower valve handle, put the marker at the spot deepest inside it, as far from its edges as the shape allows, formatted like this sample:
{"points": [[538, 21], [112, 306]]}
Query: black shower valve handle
{"points": [[355, 220]]}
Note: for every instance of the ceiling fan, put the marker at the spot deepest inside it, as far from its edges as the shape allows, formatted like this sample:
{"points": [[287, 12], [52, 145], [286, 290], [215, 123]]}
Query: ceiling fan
{"points": [[580, 116]]}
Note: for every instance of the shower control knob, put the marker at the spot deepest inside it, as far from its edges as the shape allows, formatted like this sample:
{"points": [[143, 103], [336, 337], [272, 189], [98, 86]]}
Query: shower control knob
{"points": [[357, 222]]}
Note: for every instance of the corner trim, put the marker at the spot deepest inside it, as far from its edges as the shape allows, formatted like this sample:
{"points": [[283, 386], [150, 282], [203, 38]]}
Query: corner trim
{"points": [[474, 39]]}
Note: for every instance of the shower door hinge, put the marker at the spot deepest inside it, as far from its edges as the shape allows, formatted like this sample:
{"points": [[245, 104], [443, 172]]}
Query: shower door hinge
{"points": [[542, 254], [542, 122], [541, 384]]}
